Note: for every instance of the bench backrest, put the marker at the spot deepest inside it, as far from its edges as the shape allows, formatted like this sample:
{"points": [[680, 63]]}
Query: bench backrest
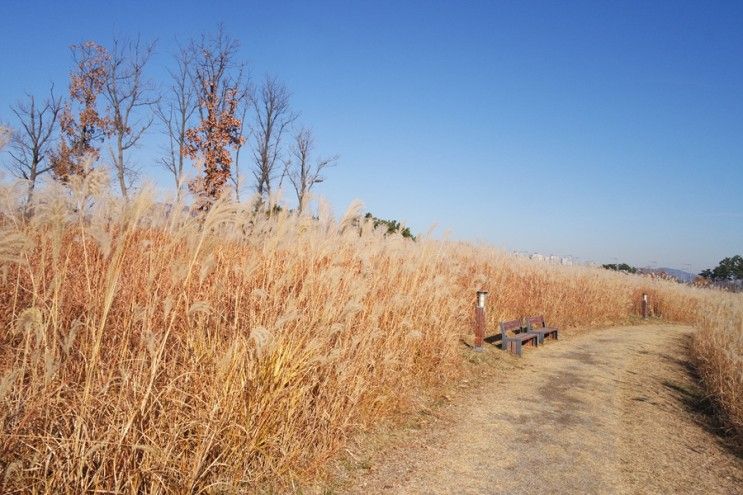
{"points": [[510, 326], [535, 322]]}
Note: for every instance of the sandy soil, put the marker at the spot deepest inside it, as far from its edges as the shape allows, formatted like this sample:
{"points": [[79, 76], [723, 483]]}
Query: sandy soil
{"points": [[611, 411]]}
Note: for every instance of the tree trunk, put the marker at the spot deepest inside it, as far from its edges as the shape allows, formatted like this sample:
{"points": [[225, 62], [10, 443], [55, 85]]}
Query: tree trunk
{"points": [[30, 194], [120, 168]]}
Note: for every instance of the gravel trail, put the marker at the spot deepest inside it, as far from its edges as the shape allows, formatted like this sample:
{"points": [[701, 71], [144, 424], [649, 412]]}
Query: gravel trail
{"points": [[610, 411]]}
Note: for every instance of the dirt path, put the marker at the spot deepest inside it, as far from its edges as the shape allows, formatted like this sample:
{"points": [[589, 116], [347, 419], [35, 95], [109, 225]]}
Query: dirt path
{"points": [[611, 411]]}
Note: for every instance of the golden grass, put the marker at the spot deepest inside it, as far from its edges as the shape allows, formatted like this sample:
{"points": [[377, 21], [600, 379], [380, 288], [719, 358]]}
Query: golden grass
{"points": [[147, 351], [718, 355]]}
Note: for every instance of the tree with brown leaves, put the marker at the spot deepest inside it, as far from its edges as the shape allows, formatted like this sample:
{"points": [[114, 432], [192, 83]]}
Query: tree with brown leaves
{"points": [[217, 82], [87, 82], [5, 136]]}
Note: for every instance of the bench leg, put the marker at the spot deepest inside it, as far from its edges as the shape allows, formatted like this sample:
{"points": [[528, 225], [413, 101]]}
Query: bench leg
{"points": [[518, 348]]}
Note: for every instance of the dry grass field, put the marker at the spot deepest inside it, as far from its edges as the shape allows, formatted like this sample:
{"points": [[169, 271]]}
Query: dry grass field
{"points": [[144, 349]]}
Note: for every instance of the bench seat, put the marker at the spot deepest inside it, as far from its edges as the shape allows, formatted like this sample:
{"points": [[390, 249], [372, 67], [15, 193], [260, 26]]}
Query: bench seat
{"points": [[535, 325], [515, 342]]}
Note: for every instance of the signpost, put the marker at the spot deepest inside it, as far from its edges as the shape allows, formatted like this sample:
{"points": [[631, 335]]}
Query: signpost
{"points": [[480, 320]]}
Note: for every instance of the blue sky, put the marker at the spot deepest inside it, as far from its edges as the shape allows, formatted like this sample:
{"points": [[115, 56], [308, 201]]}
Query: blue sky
{"points": [[609, 131]]}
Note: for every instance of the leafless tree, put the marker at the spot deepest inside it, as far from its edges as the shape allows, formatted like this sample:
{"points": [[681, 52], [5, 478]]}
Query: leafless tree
{"points": [[128, 94], [244, 106], [175, 112], [302, 172], [273, 117], [31, 144]]}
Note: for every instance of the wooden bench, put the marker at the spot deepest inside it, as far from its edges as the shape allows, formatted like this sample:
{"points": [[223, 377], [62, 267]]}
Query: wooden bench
{"points": [[517, 339], [535, 325]]}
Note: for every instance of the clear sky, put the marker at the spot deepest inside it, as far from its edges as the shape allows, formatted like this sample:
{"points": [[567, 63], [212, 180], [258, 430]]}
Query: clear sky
{"points": [[609, 131]]}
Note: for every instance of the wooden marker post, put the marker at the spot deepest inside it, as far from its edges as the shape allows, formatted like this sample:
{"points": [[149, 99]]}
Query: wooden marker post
{"points": [[644, 306], [480, 320]]}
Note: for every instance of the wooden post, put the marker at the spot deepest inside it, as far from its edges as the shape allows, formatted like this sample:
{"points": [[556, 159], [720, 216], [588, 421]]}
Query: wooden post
{"points": [[644, 306], [480, 320]]}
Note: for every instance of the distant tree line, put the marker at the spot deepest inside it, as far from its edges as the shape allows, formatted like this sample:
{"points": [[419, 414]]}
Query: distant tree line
{"points": [[390, 226], [620, 267], [728, 270], [237, 133]]}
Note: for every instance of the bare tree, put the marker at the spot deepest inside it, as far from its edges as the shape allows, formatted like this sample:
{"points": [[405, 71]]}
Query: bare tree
{"points": [[34, 140], [127, 93], [175, 113], [217, 81], [243, 107], [273, 116], [301, 171]]}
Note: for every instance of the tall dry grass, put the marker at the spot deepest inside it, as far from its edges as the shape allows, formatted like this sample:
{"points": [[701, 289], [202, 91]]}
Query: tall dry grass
{"points": [[718, 355], [147, 350]]}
